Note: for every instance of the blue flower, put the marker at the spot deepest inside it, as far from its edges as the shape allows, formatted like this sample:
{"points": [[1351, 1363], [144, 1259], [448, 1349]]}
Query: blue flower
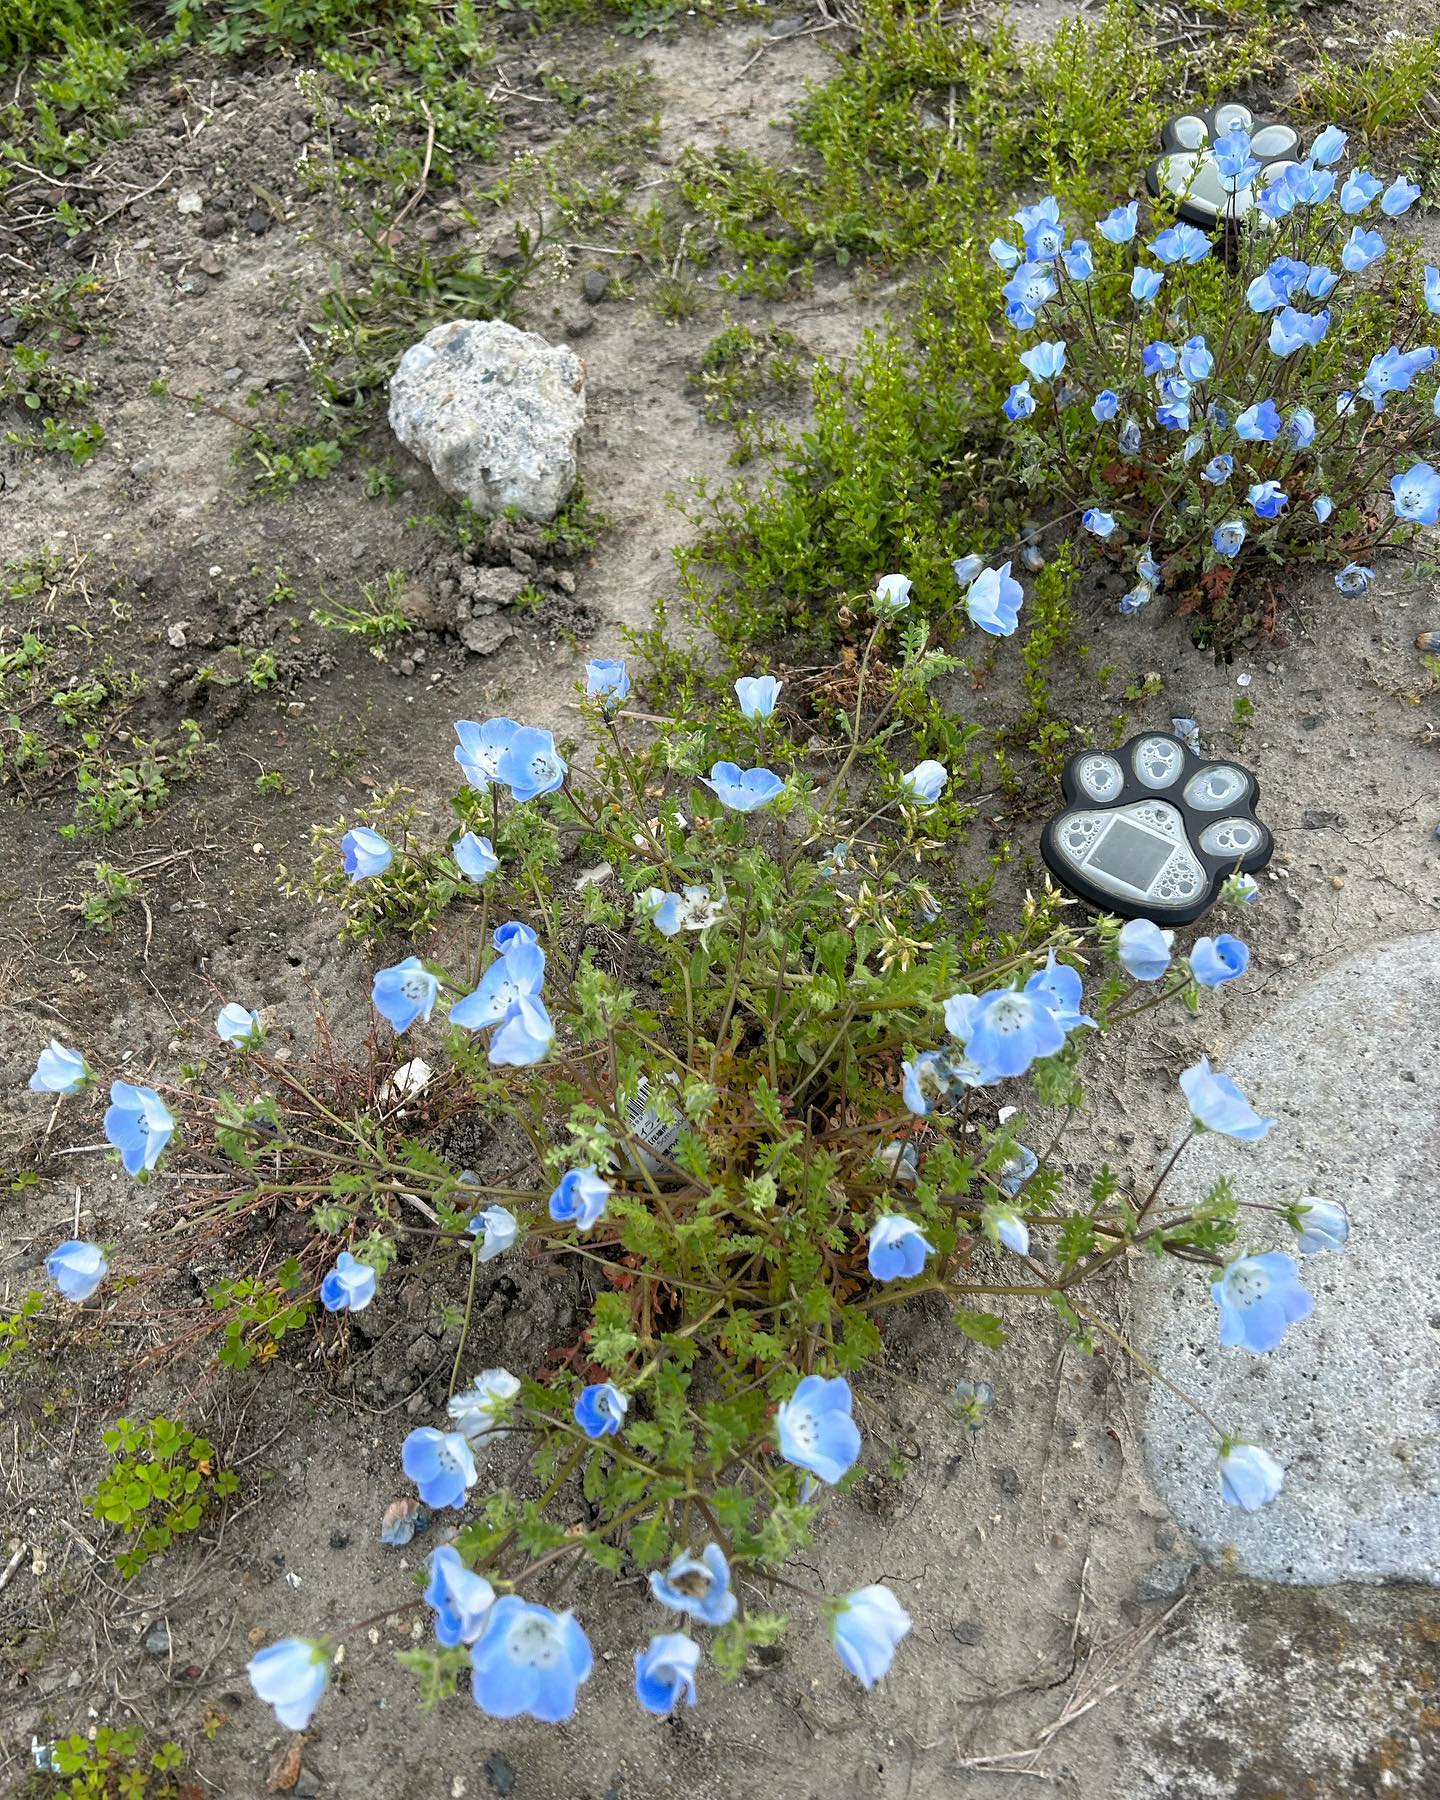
{"points": [[743, 790], [1079, 263], [815, 1429], [461, 1598], [1300, 428], [350, 1285], [1119, 224], [1174, 416], [495, 1228], [441, 1465], [1417, 494], [404, 993], [607, 680], [511, 935], [1268, 499], [1354, 578], [481, 747], [580, 1198], [1324, 1225], [1432, 288], [925, 783], [1278, 201], [966, 568], [524, 1036], [1145, 284], [1040, 224], [1140, 595], [665, 1673], [1010, 1029], [1329, 146], [364, 852], [1218, 469], [994, 600], [400, 1522], [1181, 243], [475, 856], [530, 765], [698, 1586], [1249, 1476], [1144, 949], [757, 695], [529, 1660], [1291, 330], [1060, 988], [1044, 360], [77, 1268], [1030, 287], [891, 596], [518, 974], [600, 1410], [291, 1677], [1101, 523], [1129, 438], [1214, 961], [1004, 254], [1359, 190], [1216, 1104], [1311, 187], [1399, 197], [1009, 1229], [663, 909], [1196, 360], [1361, 249], [866, 1626], [1259, 424], [60, 1071], [1258, 1296], [1230, 152], [1228, 538], [898, 1248], [479, 1412], [239, 1026], [1147, 568], [1019, 403], [1016, 1170], [927, 1082], [139, 1124], [1240, 890], [1323, 506], [1105, 405]]}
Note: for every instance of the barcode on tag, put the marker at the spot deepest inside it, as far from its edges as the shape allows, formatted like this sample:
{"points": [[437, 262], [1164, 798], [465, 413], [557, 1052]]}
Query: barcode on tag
{"points": [[659, 1134]]}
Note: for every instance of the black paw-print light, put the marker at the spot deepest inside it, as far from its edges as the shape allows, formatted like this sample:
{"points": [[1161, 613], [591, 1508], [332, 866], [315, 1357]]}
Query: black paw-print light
{"points": [[1153, 831], [1187, 172]]}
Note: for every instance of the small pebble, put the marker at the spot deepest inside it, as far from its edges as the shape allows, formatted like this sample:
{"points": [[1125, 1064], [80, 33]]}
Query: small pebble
{"points": [[1337, 881]]}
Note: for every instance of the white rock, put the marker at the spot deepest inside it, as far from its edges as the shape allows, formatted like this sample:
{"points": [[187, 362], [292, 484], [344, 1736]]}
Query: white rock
{"points": [[494, 412]]}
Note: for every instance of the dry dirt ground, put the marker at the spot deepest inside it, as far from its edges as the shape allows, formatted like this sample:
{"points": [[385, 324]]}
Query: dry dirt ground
{"points": [[1018, 1552]]}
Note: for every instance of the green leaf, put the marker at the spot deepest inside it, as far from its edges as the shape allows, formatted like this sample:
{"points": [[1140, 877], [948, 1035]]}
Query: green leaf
{"points": [[439, 1671], [985, 1328]]}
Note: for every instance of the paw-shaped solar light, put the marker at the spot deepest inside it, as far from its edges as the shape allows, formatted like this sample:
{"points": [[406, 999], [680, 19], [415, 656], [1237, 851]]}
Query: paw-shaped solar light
{"points": [[1187, 170], [1154, 831]]}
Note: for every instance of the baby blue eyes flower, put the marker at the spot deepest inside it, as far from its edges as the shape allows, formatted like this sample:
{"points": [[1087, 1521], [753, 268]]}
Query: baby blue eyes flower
{"points": [[1059, 987], [1258, 1296], [1119, 224], [1144, 949], [461, 1599], [139, 1124], [927, 1081], [1268, 499], [1216, 1104], [815, 1429], [1324, 1225], [1016, 1170], [350, 1285], [757, 695], [898, 1248], [239, 1026], [1019, 403], [1324, 506], [1101, 523], [1278, 201], [966, 568], [530, 765], [481, 747], [1129, 438], [994, 600], [76, 1268], [1079, 263], [404, 993], [1231, 152], [925, 783], [1147, 568], [1145, 284], [1329, 147], [891, 596], [1259, 424], [1417, 494], [291, 1677], [664, 910], [1105, 405], [665, 1673], [1432, 288], [1291, 330], [529, 1660], [60, 1071], [1044, 360], [1218, 469], [1181, 243], [1361, 249], [1354, 578], [1214, 961], [1010, 1229], [1196, 361], [600, 1410], [1004, 255], [1399, 197], [1240, 890], [580, 1198], [1228, 538], [866, 1627], [511, 935], [1030, 288], [742, 790], [1140, 595], [364, 852], [698, 1586], [479, 1412], [607, 680], [1249, 1477], [441, 1465], [1300, 428], [495, 1228], [1173, 417], [475, 857], [1321, 282], [1359, 190], [1009, 1030], [524, 1036], [515, 975]]}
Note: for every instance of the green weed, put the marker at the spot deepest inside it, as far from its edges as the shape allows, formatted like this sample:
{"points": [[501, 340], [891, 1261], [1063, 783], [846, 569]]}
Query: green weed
{"points": [[161, 1481]]}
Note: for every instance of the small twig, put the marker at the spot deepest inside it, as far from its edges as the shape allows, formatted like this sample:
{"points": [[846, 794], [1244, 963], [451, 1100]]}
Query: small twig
{"points": [[13, 1564], [419, 194], [144, 194]]}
